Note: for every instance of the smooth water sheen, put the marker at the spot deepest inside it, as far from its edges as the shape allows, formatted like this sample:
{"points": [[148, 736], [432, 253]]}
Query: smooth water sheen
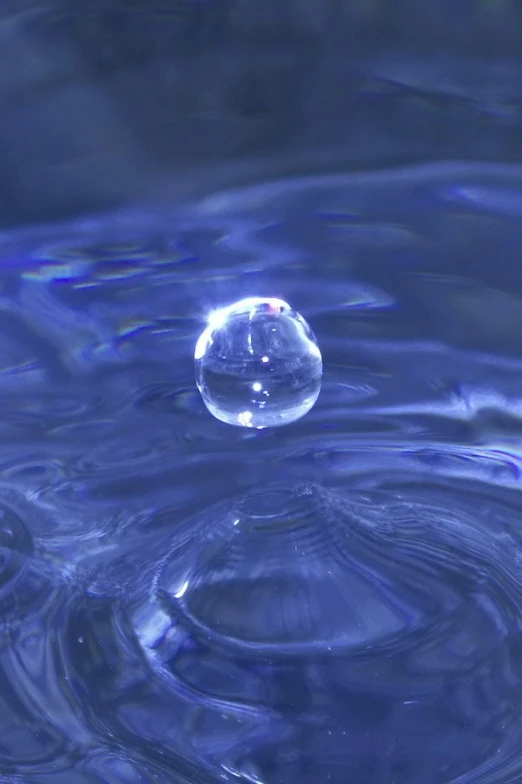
{"points": [[338, 600], [258, 364]]}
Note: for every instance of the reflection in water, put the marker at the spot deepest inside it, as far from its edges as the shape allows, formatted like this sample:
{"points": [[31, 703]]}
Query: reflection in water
{"points": [[337, 600]]}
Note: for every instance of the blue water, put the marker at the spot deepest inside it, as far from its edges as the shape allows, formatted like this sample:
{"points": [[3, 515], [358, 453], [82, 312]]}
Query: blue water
{"points": [[338, 600]]}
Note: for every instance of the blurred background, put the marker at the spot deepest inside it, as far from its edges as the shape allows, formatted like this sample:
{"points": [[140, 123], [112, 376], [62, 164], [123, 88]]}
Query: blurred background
{"points": [[106, 102]]}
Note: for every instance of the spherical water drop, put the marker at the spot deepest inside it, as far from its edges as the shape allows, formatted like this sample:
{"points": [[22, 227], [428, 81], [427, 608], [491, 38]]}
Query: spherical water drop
{"points": [[258, 364]]}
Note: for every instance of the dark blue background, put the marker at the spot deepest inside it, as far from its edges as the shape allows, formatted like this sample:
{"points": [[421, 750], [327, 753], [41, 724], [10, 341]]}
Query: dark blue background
{"points": [[104, 101]]}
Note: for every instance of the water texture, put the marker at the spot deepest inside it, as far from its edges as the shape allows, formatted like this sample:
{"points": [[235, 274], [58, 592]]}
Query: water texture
{"points": [[337, 600]]}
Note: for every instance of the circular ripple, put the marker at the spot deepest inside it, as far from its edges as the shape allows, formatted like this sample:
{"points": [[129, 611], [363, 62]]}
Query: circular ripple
{"points": [[270, 575], [306, 616], [297, 570], [16, 549], [25, 583]]}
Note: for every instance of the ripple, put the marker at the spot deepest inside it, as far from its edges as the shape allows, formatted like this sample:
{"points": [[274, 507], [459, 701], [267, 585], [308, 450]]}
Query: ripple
{"points": [[269, 578], [184, 603], [95, 264], [296, 549], [390, 598], [28, 584]]}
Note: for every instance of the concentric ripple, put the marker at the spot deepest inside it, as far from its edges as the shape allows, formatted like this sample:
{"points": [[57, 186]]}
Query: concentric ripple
{"points": [[26, 585], [278, 573], [294, 608], [333, 601]]}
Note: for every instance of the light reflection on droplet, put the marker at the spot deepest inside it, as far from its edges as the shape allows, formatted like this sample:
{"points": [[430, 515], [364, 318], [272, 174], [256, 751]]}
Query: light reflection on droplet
{"points": [[258, 345]]}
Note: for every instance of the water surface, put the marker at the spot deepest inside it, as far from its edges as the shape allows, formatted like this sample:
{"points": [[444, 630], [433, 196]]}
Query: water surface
{"points": [[334, 601]]}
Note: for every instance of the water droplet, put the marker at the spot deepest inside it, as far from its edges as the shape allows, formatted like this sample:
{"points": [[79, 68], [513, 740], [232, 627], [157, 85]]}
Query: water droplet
{"points": [[258, 364]]}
